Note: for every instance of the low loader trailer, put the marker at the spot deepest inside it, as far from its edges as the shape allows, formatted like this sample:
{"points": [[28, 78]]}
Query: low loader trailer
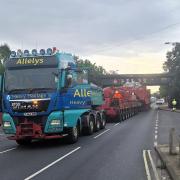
{"points": [[123, 102]]}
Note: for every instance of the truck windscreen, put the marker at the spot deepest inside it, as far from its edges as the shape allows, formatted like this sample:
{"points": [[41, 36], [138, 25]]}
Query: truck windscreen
{"points": [[37, 78]]}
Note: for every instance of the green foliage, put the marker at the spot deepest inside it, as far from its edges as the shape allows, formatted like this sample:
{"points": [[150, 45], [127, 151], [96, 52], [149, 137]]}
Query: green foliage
{"points": [[95, 71], [172, 65], [1, 68], [163, 91], [4, 52]]}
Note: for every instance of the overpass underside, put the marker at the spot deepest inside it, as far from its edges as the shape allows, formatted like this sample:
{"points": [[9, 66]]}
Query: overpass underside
{"points": [[144, 79]]}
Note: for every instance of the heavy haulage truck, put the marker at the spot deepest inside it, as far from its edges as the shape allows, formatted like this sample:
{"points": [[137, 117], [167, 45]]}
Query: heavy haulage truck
{"points": [[45, 96]]}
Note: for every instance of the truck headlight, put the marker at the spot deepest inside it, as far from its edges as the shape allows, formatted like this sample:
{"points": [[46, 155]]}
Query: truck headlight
{"points": [[7, 124], [55, 122]]}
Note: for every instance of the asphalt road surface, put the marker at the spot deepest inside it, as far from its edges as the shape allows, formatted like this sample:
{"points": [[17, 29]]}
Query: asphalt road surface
{"points": [[120, 152]]}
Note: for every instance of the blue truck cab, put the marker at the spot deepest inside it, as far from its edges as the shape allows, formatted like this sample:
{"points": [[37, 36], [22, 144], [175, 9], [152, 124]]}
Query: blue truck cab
{"points": [[45, 96]]}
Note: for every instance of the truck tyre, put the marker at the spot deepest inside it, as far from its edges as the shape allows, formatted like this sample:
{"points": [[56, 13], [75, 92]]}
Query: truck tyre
{"points": [[124, 117], [23, 142], [98, 123], [73, 135], [103, 121], [90, 128], [120, 117]]}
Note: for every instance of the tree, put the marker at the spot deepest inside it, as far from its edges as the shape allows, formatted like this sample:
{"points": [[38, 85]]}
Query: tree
{"points": [[4, 52], [172, 65], [95, 72]]}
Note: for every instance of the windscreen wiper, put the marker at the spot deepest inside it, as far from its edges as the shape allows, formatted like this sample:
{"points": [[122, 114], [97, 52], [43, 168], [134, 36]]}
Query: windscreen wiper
{"points": [[40, 89], [18, 90]]}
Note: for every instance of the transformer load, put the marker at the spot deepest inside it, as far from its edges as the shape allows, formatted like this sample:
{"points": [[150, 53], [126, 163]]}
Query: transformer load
{"points": [[125, 101]]}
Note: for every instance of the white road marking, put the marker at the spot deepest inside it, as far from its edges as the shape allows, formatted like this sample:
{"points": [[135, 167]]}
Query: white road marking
{"points": [[51, 164], [153, 165], [101, 133], [156, 129], [116, 124], [146, 166], [155, 143], [7, 150]]}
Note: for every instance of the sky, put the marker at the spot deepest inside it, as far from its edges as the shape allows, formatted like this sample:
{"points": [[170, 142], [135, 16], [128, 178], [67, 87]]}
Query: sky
{"points": [[126, 36]]}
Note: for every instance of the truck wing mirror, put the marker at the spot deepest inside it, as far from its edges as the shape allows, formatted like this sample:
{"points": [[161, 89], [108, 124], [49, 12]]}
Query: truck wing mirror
{"points": [[69, 80]]}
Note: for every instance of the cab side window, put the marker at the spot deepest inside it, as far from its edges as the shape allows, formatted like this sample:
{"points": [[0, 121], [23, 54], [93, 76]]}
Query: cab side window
{"points": [[82, 77], [76, 77]]}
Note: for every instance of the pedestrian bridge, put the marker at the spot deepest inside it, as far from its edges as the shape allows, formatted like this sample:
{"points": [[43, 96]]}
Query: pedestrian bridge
{"points": [[144, 79]]}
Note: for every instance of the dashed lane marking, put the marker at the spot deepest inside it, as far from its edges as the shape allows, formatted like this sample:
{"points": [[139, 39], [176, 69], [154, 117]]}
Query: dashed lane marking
{"points": [[7, 150], [101, 133], [155, 143], [51, 164], [116, 124], [156, 129]]}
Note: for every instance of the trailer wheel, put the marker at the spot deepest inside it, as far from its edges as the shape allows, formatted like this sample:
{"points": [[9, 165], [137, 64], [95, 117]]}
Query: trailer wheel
{"points": [[90, 128], [23, 142], [98, 123], [103, 121], [73, 135], [119, 119], [124, 117]]}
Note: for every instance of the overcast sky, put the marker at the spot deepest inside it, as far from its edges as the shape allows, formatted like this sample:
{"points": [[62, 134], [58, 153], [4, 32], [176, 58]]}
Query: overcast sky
{"points": [[123, 35]]}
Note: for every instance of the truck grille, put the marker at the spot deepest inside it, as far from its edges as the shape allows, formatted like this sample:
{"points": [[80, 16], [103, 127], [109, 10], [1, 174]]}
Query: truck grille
{"points": [[26, 129], [40, 120]]}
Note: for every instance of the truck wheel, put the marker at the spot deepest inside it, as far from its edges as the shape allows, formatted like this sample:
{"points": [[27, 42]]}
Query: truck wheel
{"points": [[120, 117], [73, 135], [23, 142], [97, 126], [127, 116], [103, 121], [124, 117], [90, 128]]}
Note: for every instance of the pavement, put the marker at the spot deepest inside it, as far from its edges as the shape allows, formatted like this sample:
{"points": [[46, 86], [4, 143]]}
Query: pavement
{"points": [[123, 151], [170, 162]]}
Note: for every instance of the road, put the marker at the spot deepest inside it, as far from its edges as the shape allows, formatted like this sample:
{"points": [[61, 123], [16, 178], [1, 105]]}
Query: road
{"points": [[115, 153]]}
